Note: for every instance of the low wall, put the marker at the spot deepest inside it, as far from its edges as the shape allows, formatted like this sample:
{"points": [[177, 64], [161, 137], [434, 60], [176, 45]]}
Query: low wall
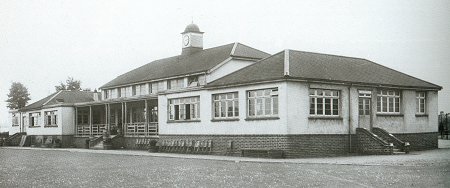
{"points": [[65, 141], [293, 146], [420, 141]]}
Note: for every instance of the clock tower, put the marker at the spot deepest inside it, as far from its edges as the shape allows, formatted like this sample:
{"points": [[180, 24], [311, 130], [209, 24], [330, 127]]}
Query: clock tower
{"points": [[192, 40]]}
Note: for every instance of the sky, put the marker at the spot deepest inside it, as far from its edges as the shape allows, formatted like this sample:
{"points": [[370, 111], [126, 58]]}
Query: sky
{"points": [[44, 42]]}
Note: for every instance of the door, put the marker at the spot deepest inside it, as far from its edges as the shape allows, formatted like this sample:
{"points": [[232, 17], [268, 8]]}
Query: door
{"points": [[364, 108]]}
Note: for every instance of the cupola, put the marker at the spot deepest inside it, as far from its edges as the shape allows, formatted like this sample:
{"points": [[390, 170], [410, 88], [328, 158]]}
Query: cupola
{"points": [[192, 40]]}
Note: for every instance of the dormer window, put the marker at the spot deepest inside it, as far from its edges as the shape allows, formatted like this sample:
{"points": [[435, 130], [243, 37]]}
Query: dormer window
{"points": [[193, 81], [175, 83]]}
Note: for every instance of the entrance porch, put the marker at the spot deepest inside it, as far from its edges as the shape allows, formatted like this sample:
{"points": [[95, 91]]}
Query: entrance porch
{"points": [[137, 118]]}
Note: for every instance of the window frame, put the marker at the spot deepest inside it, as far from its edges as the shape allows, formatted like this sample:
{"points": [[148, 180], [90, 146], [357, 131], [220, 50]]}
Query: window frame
{"points": [[178, 106], [418, 102], [178, 84], [53, 118], [385, 94], [33, 119], [273, 94], [323, 96], [234, 101]]}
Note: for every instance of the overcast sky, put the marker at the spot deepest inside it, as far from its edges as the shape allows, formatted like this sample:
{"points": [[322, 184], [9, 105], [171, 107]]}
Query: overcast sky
{"points": [[44, 42]]}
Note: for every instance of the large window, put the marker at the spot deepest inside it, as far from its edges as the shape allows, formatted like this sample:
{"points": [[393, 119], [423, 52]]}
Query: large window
{"points": [[51, 118], [263, 103], [323, 102], [184, 108], [388, 101], [226, 105], [34, 119], [420, 102], [175, 83]]}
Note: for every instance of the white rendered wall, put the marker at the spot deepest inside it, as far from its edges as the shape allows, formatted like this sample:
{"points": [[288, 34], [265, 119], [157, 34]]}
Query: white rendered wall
{"points": [[227, 68], [409, 123], [299, 121], [206, 126], [67, 120]]}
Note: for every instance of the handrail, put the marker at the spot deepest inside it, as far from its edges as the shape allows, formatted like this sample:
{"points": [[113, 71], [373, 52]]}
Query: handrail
{"points": [[404, 146], [380, 141]]}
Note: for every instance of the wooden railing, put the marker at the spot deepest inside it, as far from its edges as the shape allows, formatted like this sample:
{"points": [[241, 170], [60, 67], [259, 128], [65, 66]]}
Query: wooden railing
{"points": [[87, 130], [141, 129]]}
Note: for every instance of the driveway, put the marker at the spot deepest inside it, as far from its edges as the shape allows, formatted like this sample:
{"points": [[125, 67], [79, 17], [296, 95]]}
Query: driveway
{"points": [[36, 167]]}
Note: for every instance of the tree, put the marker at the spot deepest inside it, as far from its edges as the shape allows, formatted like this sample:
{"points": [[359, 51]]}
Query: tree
{"points": [[18, 96], [71, 84]]}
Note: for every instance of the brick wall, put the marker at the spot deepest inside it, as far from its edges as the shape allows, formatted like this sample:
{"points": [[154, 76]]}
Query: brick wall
{"points": [[420, 141], [370, 144], [294, 146]]}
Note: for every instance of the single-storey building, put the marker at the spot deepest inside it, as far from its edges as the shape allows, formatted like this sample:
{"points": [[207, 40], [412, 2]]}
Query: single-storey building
{"points": [[49, 121], [235, 99]]}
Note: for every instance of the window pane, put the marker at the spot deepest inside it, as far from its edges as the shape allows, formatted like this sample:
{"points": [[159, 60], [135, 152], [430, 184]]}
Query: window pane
{"points": [[327, 106], [275, 105], [259, 106], [319, 106], [251, 107], [267, 106], [216, 109], [335, 106], [236, 108], [222, 109], [391, 104], [230, 108], [312, 109], [384, 104]]}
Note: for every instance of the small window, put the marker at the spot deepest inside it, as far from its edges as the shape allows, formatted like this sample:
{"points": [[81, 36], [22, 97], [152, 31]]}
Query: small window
{"points": [[420, 102], [106, 92], [175, 83], [226, 105], [193, 81], [324, 102], [50, 118]]}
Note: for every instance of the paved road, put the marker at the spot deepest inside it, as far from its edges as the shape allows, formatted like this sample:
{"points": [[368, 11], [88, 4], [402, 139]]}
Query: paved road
{"points": [[85, 168]]}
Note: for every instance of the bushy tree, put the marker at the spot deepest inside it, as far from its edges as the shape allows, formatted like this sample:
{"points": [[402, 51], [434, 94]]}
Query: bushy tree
{"points": [[18, 96], [71, 84]]}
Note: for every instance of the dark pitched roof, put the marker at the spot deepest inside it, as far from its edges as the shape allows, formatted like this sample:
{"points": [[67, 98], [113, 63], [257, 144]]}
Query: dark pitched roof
{"points": [[186, 64], [61, 97], [322, 67]]}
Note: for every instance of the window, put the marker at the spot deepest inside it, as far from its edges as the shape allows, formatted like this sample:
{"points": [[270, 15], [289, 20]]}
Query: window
{"points": [[153, 87], [123, 92], [226, 105], [119, 92], [135, 89], [113, 93], [15, 120], [184, 108], [175, 83], [106, 92], [34, 119], [143, 89], [83, 117], [263, 103], [324, 102], [388, 101], [50, 118], [193, 81], [420, 102]]}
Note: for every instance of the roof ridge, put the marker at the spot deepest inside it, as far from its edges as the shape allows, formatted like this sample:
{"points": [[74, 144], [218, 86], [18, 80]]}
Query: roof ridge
{"points": [[51, 98], [327, 54], [253, 48]]}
